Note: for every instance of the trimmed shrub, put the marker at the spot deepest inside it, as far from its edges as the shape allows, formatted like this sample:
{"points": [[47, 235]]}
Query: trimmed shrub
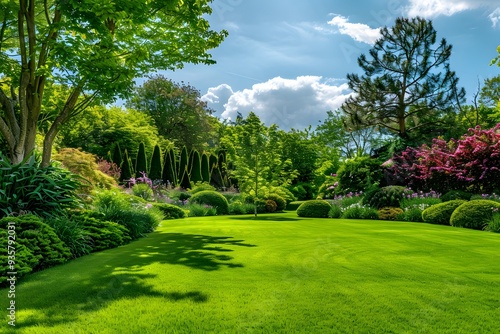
{"points": [[103, 234], [141, 164], [389, 213], [155, 171], [25, 261], [200, 186], [456, 194], [441, 213], [474, 214], [390, 196], [293, 206], [184, 196], [314, 208], [280, 201], [126, 168], [40, 239], [170, 211], [271, 205], [213, 199]]}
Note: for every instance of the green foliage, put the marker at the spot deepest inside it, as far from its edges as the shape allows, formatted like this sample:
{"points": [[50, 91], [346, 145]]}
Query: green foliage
{"points": [[71, 233], [24, 260], [441, 213], [212, 198], [27, 187], [155, 171], [280, 201], [389, 213], [169, 175], [474, 214], [359, 174], [390, 196], [358, 211], [195, 163], [40, 239], [270, 205], [335, 211], [293, 206], [185, 181], [85, 165], [200, 186], [141, 165], [126, 168], [170, 211], [103, 234], [183, 166], [117, 156], [456, 194], [411, 214], [201, 210], [205, 168], [314, 208], [143, 191], [494, 223]]}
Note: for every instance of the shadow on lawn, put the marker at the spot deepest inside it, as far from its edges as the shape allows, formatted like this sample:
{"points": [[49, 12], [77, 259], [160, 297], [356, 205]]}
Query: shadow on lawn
{"points": [[91, 283]]}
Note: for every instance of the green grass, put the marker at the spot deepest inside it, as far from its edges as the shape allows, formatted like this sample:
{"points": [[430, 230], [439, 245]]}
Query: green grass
{"points": [[277, 274]]}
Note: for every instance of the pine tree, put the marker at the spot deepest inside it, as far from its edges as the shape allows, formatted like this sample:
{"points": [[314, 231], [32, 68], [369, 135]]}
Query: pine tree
{"points": [[196, 168], [205, 168], [126, 173], [141, 161], [155, 166], [117, 157]]}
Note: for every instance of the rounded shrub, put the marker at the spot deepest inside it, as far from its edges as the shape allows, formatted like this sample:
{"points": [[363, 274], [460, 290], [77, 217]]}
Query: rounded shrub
{"points": [[456, 194], [316, 208], [104, 234], [39, 238], [474, 214], [24, 262], [280, 201], [441, 213], [390, 196], [271, 205], [293, 206], [213, 199], [170, 211], [390, 213]]}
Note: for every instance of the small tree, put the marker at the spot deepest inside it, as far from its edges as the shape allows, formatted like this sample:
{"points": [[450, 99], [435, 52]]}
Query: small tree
{"points": [[141, 165], [155, 172], [117, 157], [126, 168]]}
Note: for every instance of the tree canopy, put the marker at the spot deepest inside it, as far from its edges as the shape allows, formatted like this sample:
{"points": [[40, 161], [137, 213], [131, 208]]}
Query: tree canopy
{"points": [[93, 48], [407, 83]]}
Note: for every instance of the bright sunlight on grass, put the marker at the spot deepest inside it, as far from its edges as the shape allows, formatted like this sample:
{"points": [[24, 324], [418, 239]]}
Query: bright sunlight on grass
{"points": [[274, 274]]}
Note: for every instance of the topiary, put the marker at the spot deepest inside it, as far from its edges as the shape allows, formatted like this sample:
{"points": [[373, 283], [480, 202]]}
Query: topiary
{"points": [[389, 213], [456, 194], [103, 234], [293, 206], [24, 261], [280, 201], [271, 205], [441, 213], [474, 214], [39, 238], [213, 199], [170, 211], [389, 196], [314, 208]]}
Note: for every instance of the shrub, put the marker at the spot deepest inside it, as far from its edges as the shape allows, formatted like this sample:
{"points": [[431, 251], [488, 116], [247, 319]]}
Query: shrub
{"points": [[278, 200], [389, 213], [474, 214], [494, 223], [441, 213], [411, 214], [358, 211], [184, 196], [103, 234], [213, 199], [271, 205], [293, 206], [170, 211], [27, 187], [236, 208], [456, 194], [40, 239], [201, 186], [314, 208], [390, 196], [25, 261], [201, 210], [142, 190], [335, 211], [358, 174], [71, 232]]}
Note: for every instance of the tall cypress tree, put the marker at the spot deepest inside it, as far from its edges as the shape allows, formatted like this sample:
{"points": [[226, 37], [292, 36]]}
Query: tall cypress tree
{"points": [[183, 163], [141, 161], [196, 168], [190, 160], [126, 173], [169, 168], [117, 157], [185, 181], [205, 168], [155, 165]]}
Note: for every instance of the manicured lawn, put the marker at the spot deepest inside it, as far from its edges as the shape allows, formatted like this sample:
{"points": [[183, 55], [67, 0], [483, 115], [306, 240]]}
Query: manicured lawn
{"points": [[277, 274]]}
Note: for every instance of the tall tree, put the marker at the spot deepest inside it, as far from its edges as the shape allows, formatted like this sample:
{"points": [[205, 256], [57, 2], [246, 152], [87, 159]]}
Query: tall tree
{"points": [[126, 168], [195, 174], [94, 49], [205, 168], [177, 110], [155, 172], [407, 77], [141, 164], [183, 164], [169, 175]]}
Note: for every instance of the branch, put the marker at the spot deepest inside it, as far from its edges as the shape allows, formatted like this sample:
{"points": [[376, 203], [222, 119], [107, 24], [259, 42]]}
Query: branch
{"points": [[9, 111]]}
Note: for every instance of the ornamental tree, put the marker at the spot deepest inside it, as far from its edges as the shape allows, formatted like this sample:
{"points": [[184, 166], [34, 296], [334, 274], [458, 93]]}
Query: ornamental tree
{"points": [[94, 49]]}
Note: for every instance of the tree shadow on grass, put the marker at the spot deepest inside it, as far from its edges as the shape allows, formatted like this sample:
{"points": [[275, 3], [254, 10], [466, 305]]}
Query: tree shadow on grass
{"points": [[267, 218], [61, 294]]}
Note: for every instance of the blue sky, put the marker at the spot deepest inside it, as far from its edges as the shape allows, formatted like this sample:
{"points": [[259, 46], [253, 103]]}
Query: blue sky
{"points": [[288, 60]]}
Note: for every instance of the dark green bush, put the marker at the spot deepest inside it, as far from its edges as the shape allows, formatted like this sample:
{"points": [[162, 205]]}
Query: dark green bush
{"points": [[184, 196], [213, 199], [103, 234], [411, 214], [456, 194], [293, 206], [271, 205], [440, 213], [357, 211], [24, 260], [27, 187], [390, 196], [474, 214], [316, 208], [170, 211], [236, 208], [280, 201], [335, 211], [40, 239], [71, 233], [389, 213], [358, 174]]}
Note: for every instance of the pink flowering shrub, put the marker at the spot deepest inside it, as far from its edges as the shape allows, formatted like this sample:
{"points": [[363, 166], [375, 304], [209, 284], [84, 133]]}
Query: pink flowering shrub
{"points": [[471, 163]]}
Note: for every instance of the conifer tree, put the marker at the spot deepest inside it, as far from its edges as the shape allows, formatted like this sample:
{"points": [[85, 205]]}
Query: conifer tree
{"points": [[126, 169], [169, 174], [196, 168], [205, 168], [155, 166], [185, 181], [141, 161], [183, 163], [117, 157]]}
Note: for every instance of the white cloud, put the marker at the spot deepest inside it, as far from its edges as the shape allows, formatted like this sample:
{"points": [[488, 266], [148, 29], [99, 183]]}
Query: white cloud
{"points": [[434, 8], [495, 17], [216, 97], [358, 31], [289, 103]]}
